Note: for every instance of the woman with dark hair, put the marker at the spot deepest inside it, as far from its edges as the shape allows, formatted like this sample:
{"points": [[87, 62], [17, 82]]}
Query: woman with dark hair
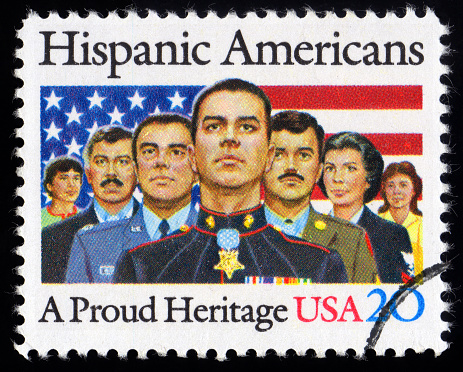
{"points": [[400, 189], [352, 169]]}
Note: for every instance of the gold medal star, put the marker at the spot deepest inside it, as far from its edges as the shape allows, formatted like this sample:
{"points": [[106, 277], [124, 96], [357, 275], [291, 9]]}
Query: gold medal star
{"points": [[229, 262]]}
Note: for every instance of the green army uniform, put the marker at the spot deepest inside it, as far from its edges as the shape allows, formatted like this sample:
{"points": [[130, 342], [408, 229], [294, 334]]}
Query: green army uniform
{"points": [[348, 240]]}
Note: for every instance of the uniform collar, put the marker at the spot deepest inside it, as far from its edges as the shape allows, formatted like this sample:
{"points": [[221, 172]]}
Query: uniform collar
{"points": [[294, 228], [152, 221], [103, 215], [245, 221], [355, 218]]}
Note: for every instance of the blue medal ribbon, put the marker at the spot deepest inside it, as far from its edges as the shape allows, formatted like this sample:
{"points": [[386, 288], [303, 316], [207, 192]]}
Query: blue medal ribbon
{"points": [[228, 239]]}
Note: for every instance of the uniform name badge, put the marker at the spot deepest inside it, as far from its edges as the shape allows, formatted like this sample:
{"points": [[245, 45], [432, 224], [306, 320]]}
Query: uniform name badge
{"points": [[228, 240]]}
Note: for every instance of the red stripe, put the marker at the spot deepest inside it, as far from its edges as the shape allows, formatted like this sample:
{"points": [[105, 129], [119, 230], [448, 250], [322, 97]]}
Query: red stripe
{"points": [[393, 144], [369, 244], [160, 240], [346, 97], [204, 231], [255, 231], [302, 242]]}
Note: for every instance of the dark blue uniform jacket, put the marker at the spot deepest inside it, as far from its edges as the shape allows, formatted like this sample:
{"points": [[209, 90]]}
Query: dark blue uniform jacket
{"points": [[387, 240], [190, 257]]}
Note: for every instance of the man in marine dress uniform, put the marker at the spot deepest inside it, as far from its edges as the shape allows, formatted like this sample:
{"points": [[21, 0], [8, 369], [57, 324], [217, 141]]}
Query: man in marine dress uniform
{"points": [[110, 172], [298, 141], [160, 151], [231, 242]]}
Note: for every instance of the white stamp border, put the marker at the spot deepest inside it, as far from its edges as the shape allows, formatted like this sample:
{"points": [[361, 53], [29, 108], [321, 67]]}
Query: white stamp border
{"points": [[113, 16]]}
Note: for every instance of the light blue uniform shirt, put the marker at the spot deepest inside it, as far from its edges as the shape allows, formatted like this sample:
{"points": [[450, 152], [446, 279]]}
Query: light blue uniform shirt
{"points": [[295, 228], [152, 221], [105, 216]]}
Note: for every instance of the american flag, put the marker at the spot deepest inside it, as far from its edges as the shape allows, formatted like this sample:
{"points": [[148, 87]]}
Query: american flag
{"points": [[71, 114]]}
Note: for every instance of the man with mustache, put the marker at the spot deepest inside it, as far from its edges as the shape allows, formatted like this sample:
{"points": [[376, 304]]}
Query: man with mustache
{"points": [[110, 172], [231, 241], [159, 148], [298, 141]]}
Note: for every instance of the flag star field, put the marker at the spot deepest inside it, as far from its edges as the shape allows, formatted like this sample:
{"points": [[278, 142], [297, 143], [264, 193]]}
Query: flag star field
{"points": [[71, 115]]}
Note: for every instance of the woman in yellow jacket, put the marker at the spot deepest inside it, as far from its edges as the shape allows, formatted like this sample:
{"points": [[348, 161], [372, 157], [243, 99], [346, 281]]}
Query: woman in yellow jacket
{"points": [[400, 189]]}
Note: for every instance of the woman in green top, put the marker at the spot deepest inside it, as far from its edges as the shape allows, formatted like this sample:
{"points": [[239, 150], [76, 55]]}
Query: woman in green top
{"points": [[62, 182]]}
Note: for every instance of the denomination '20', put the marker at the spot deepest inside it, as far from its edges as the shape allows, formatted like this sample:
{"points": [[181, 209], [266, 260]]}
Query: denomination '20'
{"points": [[393, 307]]}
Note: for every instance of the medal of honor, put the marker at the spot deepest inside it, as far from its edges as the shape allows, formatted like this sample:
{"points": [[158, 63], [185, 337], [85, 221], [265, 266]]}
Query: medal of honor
{"points": [[228, 240]]}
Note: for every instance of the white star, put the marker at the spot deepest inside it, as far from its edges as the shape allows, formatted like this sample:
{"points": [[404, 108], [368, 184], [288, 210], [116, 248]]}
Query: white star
{"points": [[91, 131], [116, 116], [176, 100], [74, 147], [73, 115], [138, 195], [52, 132], [52, 156], [136, 100], [47, 196], [53, 100], [156, 111], [95, 100], [91, 194]]}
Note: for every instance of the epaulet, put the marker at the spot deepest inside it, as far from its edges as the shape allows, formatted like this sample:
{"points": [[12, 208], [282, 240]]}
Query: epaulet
{"points": [[184, 229]]}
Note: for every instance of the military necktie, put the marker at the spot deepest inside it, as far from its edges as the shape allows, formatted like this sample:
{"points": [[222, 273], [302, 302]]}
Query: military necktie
{"points": [[288, 227], [164, 228]]}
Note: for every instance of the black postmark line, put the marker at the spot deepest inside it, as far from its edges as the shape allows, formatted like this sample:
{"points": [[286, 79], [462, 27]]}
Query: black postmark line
{"points": [[399, 297]]}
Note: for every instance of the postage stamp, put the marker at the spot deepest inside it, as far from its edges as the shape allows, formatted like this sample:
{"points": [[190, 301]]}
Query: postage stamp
{"points": [[232, 183]]}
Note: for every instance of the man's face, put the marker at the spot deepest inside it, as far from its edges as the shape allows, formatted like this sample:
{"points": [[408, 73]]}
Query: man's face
{"points": [[163, 165], [295, 168], [231, 147], [66, 186], [111, 171]]}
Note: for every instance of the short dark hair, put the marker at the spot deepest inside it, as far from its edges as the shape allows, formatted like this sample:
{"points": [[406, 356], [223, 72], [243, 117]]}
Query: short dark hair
{"points": [[60, 164], [298, 122], [162, 119], [108, 133], [232, 85], [371, 158]]}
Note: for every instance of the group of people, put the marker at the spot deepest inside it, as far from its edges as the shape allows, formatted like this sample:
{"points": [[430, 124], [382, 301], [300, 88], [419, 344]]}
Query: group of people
{"points": [[227, 199]]}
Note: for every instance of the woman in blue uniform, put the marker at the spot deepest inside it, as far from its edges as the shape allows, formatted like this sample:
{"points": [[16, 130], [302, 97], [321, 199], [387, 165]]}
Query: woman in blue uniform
{"points": [[352, 170]]}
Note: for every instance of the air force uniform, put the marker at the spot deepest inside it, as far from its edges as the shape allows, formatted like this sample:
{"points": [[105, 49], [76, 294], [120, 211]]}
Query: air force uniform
{"points": [[237, 248], [57, 240], [96, 249]]}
